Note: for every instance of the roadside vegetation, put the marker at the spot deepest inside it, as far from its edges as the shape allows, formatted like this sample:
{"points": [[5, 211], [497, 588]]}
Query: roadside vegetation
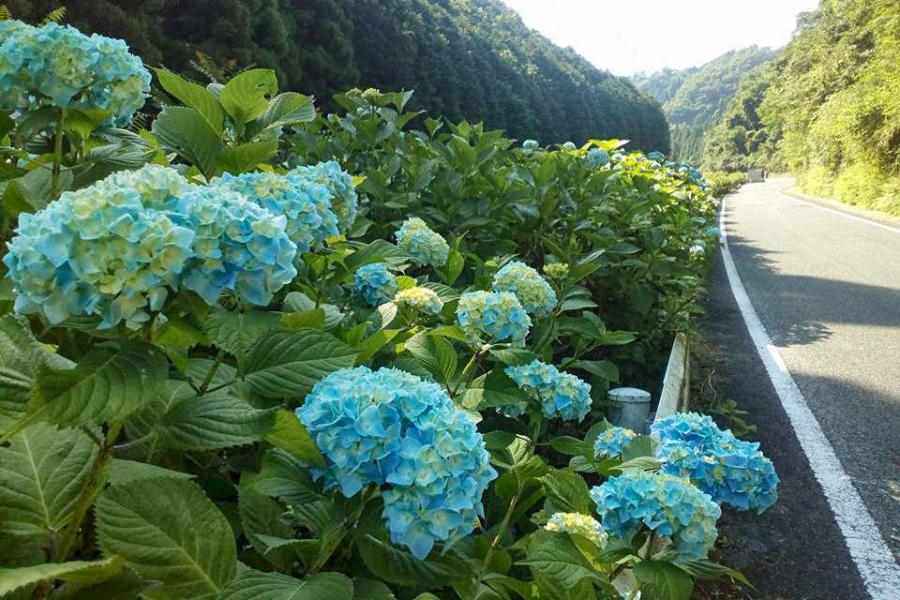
{"points": [[252, 350]]}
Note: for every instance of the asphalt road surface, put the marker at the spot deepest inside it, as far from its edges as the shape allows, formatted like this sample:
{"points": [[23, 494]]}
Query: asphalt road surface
{"points": [[825, 285]]}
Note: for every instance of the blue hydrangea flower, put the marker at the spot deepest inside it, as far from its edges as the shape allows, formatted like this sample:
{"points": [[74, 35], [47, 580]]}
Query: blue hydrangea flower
{"points": [[530, 288], [344, 200], [420, 298], [113, 249], [730, 470], [598, 156], [569, 146], [57, 65], [423, 245], [239, 246], [305, 203], [611, 442], [657, 156], [578, 524], [529, 145], [390, 428], [493, 316], [669, 506], [561, 394], [374, 284]]}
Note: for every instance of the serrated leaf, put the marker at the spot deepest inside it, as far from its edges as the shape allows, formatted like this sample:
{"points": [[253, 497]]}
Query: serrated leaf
{"points": [[193, 96], [79, 571], [246, 95], [314, 319], [290, 435], [493, 389], [663, 581], [556, 558], [236, 332], [435, 354], [255, 585], [107, 384], [126, 471], [245, 157], [286, 109], [366, 588], [567, 491], [375, 342], [44, 470], [169, 531], [390, 563], [185, 132], [600, 368], [285, 365], [261, 522], [212, 422], [300, 302], [284, 477]]}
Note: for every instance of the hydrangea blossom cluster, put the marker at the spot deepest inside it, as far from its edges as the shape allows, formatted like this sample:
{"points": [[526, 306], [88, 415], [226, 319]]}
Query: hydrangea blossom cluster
{"points": [[60, 66], [611, 442], [669, 506], [532, 290], [556, 270], [374, 284], [118, 247], [390, 428], [598, 156], [569, 146], [304, 202], [730, 470], [111, 249], [657, 156], [419, 298], [529, 145], [238, 246], [579, 524], [561, 395], [344, 199], [497, 316], [423, 245]]}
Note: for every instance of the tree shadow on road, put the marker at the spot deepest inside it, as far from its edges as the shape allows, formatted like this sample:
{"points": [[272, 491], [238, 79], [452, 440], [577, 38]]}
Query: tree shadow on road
{"points": [[797, 309]]}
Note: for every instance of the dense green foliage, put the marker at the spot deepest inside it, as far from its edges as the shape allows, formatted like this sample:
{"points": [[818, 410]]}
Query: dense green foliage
{"points": [[741, 140], [724, 182], [828, 109], [694, 99], [471, 60]]}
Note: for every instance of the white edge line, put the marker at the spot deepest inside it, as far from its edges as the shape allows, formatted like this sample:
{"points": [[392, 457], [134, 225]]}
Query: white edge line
{"points": [[879, 571], [840, 213]]}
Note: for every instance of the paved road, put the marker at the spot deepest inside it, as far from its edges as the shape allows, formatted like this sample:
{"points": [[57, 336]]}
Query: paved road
{"points": [[827, 291]]}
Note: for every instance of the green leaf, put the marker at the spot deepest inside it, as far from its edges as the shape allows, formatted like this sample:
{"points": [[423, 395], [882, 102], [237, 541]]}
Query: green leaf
{"points": [[366, 588], [557, 559], [212, 422], [492, 389], [284, 477], [641, 446], [663, 581], [255, 585], [567, 491], [285, 365], [571, 446], [286, 109], [246, 96], [262, 523], [20, 356], [377, 251], [300, 302], [79, 571], [391, 564], [290, 435], [169, 531], [600, 368], [236, 332], [706, 569], [435, 354], [185, 132], [314, 318], [375, 342], [193, 96], [107, 384], [32, 191], [44, 470], [126, 471], [245, 157]]}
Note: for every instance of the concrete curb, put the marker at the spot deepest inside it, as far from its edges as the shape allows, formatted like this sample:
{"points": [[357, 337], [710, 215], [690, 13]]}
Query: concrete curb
{"points": [[676, 382]]}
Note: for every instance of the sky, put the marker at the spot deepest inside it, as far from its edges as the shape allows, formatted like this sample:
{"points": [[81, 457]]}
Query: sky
{"points": [[629, 36]]}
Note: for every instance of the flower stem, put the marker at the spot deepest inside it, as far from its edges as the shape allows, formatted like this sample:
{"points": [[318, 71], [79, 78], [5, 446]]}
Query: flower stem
{"points": [[89, 493], [57, 153], [211, 373], [496, 541]]}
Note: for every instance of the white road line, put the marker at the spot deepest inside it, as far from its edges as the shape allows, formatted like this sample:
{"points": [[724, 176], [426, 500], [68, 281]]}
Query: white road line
{"points": [[879, 571], [841, 213]]}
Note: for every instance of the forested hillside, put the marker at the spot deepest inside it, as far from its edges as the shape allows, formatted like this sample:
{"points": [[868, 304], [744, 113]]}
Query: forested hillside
{"points": [[694, 99], [831, 102], [472, 59]]}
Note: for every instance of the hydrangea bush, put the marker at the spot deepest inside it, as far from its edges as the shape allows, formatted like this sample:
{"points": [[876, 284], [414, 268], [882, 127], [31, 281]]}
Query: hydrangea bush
{"points": [[231, 331]]}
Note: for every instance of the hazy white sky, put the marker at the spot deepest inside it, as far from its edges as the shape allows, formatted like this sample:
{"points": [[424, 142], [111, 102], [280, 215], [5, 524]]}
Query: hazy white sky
{"points": [[627, 36]]}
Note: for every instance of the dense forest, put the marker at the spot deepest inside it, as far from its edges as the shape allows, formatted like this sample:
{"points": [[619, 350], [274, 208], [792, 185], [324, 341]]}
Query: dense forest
{"points": [[471, 59], [694, 99], [827, 109]]}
